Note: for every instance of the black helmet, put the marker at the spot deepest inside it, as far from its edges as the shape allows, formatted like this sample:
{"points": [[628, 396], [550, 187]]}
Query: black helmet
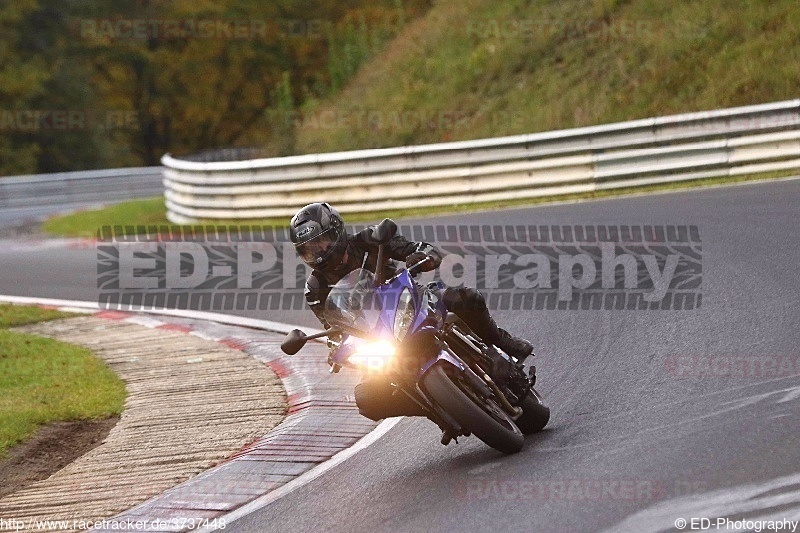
{"points": [[319, 235]]}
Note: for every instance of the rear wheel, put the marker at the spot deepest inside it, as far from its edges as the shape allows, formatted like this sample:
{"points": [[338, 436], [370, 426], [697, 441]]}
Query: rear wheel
{"points": [[484, 418], [535, 415]]}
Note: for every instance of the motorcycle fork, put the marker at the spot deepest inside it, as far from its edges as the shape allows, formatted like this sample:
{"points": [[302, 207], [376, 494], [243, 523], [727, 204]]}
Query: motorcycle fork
{"points": [[475, 366], [438, 416]]}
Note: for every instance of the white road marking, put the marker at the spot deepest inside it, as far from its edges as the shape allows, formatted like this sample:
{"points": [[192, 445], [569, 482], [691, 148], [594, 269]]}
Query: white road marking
{"points": [[772, 500], [307, 477], [278, 327], [233, 320]]}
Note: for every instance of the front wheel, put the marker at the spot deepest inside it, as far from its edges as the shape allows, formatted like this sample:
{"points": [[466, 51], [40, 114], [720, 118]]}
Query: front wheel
{"points": [[484, 418]]}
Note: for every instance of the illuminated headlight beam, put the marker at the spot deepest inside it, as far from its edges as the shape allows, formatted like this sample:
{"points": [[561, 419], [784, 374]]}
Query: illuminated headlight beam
{"points": [[373, 355]]}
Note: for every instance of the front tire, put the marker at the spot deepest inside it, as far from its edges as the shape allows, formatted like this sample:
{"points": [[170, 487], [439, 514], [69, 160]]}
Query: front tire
{"points": [[489, 423]]}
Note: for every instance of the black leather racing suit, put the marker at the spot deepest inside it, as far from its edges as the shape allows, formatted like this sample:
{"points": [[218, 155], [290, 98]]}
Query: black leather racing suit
{"points": [[374, 395], [320, 281]]}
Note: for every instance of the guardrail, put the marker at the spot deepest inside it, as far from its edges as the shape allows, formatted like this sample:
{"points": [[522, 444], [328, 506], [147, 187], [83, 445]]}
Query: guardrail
{"points": [[724, 142], [90, 186]]}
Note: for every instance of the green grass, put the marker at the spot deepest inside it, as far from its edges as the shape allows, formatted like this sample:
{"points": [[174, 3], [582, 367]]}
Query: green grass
{"points": [[44, 381], [19, 315], [86, 223], [479, 68], [152, 212]]}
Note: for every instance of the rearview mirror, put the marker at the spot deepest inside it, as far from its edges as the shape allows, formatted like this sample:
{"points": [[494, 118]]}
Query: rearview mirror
{"points": [[293, 342], [384, 231]]}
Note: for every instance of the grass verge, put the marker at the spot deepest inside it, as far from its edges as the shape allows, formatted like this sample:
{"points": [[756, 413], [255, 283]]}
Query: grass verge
{"points": [[479, 68], [85, 223], [44, 381], [151, 212]]}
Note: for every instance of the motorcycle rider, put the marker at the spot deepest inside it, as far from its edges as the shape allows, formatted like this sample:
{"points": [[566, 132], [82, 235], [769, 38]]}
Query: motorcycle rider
{"points": [[322, 242]]}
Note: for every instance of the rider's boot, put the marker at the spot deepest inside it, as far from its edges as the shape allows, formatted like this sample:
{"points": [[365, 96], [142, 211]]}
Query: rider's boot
{"points": [[470, 305], [487, 329], [518, 348]]}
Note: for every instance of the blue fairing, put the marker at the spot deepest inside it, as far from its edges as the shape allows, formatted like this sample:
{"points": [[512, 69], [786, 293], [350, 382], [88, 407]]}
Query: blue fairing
{"points": [[390, 294], [446, 356], [429, 313]]}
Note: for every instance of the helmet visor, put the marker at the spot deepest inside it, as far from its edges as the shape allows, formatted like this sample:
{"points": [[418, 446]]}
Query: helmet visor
{"points": [[317, 247]]}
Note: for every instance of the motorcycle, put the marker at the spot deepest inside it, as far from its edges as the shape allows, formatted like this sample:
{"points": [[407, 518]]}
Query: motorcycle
{"points": [[402, 330]]}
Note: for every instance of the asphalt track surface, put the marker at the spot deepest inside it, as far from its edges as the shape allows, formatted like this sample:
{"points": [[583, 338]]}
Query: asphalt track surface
{"points": [[632, 445]]}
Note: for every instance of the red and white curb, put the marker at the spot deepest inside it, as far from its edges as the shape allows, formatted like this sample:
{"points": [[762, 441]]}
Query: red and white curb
{"points": [[322, 427]]}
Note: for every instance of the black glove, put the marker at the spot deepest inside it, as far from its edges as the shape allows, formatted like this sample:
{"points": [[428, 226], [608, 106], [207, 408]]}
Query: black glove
{"points": [[420, 262]]}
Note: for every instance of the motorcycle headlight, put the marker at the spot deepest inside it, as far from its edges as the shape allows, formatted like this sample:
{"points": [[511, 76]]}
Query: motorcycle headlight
{"points": [[373, 355], [404, 316]]}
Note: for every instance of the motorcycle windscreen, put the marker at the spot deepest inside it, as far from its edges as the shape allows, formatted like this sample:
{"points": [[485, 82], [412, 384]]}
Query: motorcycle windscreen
{"points": [[352, 304]]}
